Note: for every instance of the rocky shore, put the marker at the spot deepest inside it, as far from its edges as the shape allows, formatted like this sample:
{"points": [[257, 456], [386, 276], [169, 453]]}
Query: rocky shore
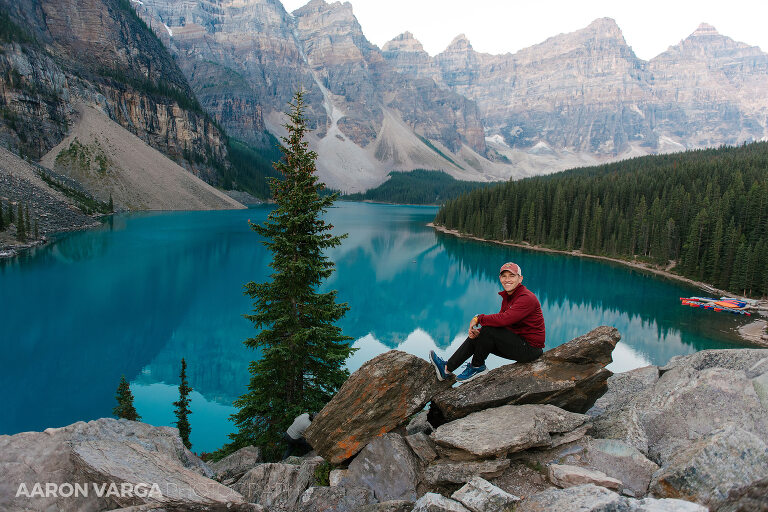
{"points": [[749, 333], [560, 433]]}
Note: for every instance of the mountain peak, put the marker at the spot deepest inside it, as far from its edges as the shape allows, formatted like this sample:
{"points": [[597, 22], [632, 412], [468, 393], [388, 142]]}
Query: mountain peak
{"points": [[404, 42], [460, 42], [705, 29], [606, 26]]}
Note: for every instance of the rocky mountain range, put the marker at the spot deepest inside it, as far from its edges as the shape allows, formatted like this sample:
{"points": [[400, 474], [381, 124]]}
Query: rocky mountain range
{"points": [[575, 99], [182, 73]]}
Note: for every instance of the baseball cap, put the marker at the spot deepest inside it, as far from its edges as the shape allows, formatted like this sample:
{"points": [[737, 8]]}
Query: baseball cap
{"points": [[511, 267]]}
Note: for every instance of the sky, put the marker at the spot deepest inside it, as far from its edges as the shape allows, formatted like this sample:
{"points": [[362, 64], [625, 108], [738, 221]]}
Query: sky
{"points": [[501, 26]]}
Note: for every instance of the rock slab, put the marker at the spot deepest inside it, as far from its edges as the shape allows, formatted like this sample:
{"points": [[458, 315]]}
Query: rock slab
{"points": [[106, 452], [571, 376], [479, 495], [507, 429], [378, 397], [565, 475], [387, 467]]}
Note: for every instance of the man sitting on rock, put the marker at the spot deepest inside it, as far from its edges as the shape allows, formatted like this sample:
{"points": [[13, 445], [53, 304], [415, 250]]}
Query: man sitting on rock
{"points": [[515, 332]]}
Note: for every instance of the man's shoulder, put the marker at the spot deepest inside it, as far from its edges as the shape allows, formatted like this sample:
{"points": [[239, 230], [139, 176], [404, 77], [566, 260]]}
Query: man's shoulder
{"points": [[526, 294]]}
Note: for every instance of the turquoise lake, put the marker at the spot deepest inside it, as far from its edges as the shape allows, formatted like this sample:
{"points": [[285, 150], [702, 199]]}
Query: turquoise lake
{"points": [[144, 290]]}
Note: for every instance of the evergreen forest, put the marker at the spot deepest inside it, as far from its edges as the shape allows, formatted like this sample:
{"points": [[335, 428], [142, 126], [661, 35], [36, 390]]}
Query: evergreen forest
{"points": [[703, 214], [417, 187]]}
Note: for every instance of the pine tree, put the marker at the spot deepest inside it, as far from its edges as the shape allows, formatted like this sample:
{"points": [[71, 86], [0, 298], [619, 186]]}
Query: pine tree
{"points": [[27, 223], [37, 230], [2, 217], [125, 408], [302, 350], [21, 232], [182, 406], [111, 204]]}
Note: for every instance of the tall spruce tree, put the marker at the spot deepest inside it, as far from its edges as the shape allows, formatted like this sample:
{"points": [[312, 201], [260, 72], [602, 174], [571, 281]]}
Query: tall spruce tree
{"points": [[125, 408], [182, 406], [2, 217], [302, 350]]}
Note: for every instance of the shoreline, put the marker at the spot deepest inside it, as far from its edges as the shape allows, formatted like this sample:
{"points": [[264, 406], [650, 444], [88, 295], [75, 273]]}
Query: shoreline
{"points": [[750, 333]]}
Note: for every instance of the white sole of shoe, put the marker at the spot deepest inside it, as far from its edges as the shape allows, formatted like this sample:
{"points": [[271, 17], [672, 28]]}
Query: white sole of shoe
{"points": [[437, 370]]}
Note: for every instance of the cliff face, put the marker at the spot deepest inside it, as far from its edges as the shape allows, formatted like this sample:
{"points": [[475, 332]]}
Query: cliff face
{"points": [[60, 54], [587, 91], [245, 60]]}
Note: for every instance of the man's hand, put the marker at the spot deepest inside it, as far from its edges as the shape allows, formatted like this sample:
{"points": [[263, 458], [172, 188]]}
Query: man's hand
{"points": [[473, 333]]}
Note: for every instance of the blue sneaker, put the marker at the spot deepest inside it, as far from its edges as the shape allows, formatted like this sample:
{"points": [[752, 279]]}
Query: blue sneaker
{"points": [[470, 372], [439, 365]]}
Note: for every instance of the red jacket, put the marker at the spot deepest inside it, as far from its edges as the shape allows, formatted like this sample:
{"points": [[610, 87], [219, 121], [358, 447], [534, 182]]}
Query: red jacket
{"points": [[520, 313]]}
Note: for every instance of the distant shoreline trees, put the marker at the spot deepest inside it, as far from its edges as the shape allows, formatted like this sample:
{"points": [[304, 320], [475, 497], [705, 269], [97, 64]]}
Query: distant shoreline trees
{"points": [[705, 212]]}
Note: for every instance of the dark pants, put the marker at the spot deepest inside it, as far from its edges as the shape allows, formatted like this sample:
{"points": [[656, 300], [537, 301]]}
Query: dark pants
{"points": [[493, 340], [300, 445]]}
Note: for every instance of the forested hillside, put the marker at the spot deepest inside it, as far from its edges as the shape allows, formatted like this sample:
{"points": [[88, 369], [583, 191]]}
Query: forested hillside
{"points": [[705, 211], [417, 187]]}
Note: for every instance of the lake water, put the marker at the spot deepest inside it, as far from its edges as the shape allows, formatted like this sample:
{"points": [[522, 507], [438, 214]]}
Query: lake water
{"points": [[146, 289]]}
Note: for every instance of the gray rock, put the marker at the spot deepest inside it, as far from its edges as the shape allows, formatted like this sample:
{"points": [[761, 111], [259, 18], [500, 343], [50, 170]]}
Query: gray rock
{"points": [[758, 369], [423, 446], [565, 475], [622, 461], [571, 376], [444, 472], [237, 464], [726, 462], [336, 476], [760, 383], [507, 429], [750, 499], [582, 498], [686, 404], [742, 359], [622, 387], [664, 505], [334, 499], [388, 467], [389, 506], [591, 498], [479, 495], [108, 451], [277, 486], [419, 423], [378, 397], [432, 502]]}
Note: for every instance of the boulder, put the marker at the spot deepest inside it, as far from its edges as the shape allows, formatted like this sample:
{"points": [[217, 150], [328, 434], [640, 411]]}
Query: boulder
{"points": [[506, 429], [378, 397], [446, 472], [716, 470], [479, 495], [623, 462], [236, 464], [389, 506], [126, 456], [278, 486], [432, 502], [571, 376], [686, 404], [334, 499], [729, 359], [419, 423], [622, 387], [592, 498], [423, 446], [565, 475], [387, 467]]}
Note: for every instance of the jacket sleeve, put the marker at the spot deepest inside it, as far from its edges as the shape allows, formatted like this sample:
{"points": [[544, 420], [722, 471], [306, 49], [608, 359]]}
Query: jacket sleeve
{"points": [[521, 308]]}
